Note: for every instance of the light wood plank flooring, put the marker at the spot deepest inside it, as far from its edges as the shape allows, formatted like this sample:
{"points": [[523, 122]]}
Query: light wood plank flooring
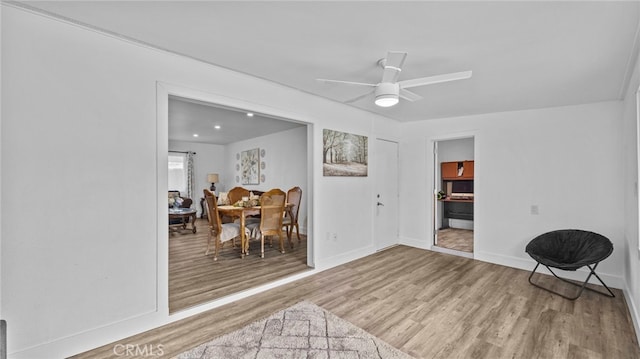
{"points": [[430, 305], [195, 278], [457, 239]]}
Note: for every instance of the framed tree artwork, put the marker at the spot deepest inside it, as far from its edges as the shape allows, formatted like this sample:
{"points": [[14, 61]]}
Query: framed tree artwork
{"points": [[344, 154]]}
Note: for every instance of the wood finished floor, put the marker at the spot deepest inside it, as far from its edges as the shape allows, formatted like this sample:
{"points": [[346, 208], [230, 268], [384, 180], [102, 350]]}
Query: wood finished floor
{"points": [[429, 305], [457, 239], [195, 278]]}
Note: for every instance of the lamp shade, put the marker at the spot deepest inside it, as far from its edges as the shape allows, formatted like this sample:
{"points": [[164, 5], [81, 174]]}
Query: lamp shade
{"points": [[212, 178]]}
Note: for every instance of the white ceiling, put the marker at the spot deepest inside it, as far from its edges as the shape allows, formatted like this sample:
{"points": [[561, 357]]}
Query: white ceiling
{"points": [[523, 54], [188, 117]]}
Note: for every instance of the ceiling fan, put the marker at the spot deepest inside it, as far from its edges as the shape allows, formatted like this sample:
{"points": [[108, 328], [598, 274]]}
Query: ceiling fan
{"points": [[389, 89]]}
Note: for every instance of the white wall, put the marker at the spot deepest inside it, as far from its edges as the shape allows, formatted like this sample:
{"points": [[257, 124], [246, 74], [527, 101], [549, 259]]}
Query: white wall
{"points": [[286, 164], [630, 192], [84, 249], [566, 160], [208, 159], [455, 150]]}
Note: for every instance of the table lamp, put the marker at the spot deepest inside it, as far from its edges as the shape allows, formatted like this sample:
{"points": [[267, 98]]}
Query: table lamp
{"points": [[212, 178]]}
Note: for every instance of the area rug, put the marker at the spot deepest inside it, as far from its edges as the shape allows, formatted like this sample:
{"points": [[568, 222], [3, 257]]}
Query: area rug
{"points": [[301, 331]]}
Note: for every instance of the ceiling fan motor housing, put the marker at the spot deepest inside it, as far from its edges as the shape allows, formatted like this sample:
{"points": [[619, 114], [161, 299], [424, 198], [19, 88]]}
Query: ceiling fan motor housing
{"points": [[387, 94]]}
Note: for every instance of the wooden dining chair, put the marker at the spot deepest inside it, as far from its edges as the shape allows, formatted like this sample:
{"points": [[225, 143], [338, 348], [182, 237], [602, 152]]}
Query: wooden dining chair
{"points": [[271, 215], [236, 193], [294, 196], [219, 232]]}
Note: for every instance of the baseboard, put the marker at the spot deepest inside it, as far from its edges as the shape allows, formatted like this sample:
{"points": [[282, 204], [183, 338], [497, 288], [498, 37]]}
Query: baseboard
{"points": [[452, 251], [633, 311], [612, 281], [344, 258], [416, 243]]}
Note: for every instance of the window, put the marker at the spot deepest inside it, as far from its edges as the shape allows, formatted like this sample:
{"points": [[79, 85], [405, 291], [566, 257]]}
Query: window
{"points": [[178, 172]]}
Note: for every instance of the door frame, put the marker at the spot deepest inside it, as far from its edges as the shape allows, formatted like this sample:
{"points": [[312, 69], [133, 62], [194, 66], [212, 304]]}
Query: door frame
{"points": [[432, 185], [163, 91]]}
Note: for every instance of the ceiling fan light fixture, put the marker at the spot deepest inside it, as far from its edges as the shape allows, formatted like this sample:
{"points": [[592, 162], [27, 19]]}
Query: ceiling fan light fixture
{"points": [[389, 90], [386, 100], [387, 94]]}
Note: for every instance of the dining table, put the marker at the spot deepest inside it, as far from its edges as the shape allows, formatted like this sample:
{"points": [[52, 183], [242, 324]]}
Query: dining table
{"points": [[242, 213]]}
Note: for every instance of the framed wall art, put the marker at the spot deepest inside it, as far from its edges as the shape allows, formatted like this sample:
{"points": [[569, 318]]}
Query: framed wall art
{"points": [[250, 165], [344, 154]]}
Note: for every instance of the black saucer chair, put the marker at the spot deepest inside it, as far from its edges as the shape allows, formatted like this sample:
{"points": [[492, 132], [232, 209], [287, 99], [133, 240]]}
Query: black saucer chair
{"points": [[570, 249]]}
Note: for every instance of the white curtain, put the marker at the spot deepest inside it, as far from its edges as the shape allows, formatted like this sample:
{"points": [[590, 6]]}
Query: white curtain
{"points": [[190, 174]]}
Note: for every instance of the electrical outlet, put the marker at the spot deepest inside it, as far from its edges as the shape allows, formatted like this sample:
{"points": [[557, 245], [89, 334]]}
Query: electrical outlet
{"points": [[334, 236], [534, 209]]}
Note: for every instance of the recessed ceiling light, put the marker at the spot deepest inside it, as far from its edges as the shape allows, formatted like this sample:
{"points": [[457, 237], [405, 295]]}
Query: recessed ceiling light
{"points": [[249, 114], [217, 127], [195, 135]]}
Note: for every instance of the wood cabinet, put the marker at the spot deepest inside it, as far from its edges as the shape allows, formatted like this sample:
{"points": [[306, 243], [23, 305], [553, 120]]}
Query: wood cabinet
{"points": [[468, 170], [450, 170]]}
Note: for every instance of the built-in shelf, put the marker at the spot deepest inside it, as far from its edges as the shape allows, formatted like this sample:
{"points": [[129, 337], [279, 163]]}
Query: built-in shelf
{"points": [[455, 200]]}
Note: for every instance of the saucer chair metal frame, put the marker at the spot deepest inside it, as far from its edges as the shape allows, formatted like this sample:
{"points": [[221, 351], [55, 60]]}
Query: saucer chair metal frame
{"points": [[570, 249]]}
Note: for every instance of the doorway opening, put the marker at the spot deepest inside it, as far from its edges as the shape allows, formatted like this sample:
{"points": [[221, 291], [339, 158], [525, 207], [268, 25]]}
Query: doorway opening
{"points": [[192, 277], [454, 175]]}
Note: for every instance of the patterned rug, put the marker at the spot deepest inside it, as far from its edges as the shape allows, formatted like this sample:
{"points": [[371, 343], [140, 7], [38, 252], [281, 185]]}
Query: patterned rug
{"points": [[301, 331]]}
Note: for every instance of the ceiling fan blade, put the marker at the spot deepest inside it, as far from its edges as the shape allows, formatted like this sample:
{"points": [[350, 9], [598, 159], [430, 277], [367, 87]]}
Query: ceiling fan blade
{"points": [[358, 97], [393, 65], [409, 96], [346, 82], [435, 79]]}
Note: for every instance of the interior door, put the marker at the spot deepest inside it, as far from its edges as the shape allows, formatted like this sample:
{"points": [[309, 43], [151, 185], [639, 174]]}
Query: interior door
{"points": [[386, 195]]}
